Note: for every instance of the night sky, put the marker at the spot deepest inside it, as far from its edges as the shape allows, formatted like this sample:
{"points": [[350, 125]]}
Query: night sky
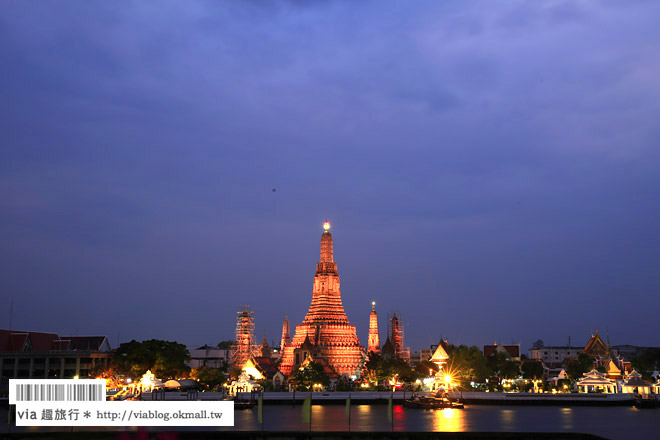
{"points": [[491, 169]]}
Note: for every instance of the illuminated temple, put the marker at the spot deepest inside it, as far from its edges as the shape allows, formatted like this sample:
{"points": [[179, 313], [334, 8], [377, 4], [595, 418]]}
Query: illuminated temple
{"points": [[325, 332]]}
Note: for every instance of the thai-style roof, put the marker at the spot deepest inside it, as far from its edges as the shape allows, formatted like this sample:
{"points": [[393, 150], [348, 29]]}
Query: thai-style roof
{"points": [[595, 346], [440, 355], [253, 368], [307, 344], [87, 343], [612, 369], [323, 362], [388, 348], [594, 378], [267, 366], [28, 341], [512, 350], [635, 380], [264, 348]]}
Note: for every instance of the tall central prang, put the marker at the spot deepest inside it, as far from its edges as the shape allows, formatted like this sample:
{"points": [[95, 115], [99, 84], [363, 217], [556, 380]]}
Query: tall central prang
{"points": [[325, 332]]}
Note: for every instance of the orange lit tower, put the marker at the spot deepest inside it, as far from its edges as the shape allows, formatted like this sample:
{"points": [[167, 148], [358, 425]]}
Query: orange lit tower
{"points": [[374, 338], [244, 346], [325, 326]]}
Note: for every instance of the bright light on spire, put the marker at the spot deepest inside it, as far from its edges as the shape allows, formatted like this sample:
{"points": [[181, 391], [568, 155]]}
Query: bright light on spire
{"points": [[326, 225]]}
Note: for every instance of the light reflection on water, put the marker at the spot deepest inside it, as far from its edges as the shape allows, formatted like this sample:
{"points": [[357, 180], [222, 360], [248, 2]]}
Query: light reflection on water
{"points": [[566, 419], [449, 419], [508, 418], [623, 423]]}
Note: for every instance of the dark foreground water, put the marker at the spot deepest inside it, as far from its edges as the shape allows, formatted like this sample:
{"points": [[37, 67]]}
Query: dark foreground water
{"points": [[617, 423], [624, 423]]}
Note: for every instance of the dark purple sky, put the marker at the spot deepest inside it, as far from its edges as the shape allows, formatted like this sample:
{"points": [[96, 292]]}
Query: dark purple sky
{"points": [[491, 169]]}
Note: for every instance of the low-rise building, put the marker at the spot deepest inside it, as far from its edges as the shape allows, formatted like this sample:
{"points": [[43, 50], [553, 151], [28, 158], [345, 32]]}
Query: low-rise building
{"points": [[511, 350], [554, 356], [630, 352], [39, 355], [208, 356]]}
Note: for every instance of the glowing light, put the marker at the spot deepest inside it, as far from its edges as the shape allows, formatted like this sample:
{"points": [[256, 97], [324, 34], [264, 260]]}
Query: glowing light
{"points": [[251, 370], [373, 303], [76, 377], [326, 225], [448, 419], [447, 379]]}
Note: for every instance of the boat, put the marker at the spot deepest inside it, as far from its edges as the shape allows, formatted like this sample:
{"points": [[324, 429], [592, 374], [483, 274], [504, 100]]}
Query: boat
{"points": [[433, 403], [243, 404]]}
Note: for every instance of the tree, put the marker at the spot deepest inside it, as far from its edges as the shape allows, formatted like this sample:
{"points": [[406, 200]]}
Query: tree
{"points": [[467, 364], [510, 369], [209, 378], [109, 374], [310, 374], [235, 372], [375, 369], [226, 345], [427, 368], [575, 368], [647, 362], [165, 359], [384, 368], [532, 370], [502, 366]]}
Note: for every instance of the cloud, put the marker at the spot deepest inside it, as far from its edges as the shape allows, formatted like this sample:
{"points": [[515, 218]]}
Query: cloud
{"points": [[143, 143]]}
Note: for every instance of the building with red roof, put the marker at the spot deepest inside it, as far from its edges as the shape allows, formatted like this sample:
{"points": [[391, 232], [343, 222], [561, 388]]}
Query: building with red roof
{"points": [[41, 355]]}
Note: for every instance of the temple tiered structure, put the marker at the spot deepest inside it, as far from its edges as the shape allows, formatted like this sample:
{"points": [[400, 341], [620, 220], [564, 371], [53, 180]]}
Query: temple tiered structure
{"points": [[325, 332], [374, 338]]}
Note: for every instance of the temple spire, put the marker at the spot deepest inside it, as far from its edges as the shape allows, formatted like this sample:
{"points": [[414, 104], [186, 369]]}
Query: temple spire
{"points": [[326, 244], [286, 338], [326, 325], [374, 338]]}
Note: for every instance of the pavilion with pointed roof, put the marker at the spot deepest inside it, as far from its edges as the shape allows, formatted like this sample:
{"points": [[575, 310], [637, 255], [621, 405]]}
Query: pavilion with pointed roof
{"points": [[595, 381], [634, 383], [440, 356]]}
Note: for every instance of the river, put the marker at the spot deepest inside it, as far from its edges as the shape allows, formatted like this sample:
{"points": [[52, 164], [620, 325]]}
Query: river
{"points": [[616, 423]]}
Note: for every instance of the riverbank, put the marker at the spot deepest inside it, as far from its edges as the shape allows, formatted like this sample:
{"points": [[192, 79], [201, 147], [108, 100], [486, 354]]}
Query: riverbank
{"points": [[358, 397], [563, 399], [382, 397]]}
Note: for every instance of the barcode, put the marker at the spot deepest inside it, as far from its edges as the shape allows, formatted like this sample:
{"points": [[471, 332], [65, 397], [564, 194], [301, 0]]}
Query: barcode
{"points": [[59, 392]]}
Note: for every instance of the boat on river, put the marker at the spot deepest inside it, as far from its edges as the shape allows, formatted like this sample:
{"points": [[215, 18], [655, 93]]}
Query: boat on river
{"points": [[436, 402]]}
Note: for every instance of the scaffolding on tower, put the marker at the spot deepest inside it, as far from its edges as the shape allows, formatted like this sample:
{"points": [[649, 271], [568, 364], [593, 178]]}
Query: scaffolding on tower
{"points": [[244, 345], [395, 334]]}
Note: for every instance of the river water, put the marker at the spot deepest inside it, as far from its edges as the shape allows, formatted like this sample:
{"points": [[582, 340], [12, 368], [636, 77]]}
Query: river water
{"points": [[616, 423]]}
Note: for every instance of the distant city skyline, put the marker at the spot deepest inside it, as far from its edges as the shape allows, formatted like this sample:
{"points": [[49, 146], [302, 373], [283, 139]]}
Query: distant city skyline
{"points": [[491, 170]]}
